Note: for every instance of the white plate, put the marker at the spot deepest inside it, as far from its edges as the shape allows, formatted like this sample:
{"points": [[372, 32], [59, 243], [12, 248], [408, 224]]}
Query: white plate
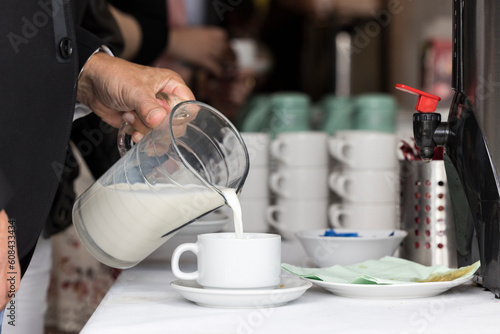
{"points": [[209, 224], [288, 290], [394, 291]]}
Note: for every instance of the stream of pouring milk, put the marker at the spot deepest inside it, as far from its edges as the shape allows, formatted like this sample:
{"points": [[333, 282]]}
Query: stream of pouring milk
{"points": [[233, 202], [128, 224]]}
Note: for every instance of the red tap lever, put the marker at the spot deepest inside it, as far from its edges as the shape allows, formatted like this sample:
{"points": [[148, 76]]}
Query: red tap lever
{"points": [[426, 102]]}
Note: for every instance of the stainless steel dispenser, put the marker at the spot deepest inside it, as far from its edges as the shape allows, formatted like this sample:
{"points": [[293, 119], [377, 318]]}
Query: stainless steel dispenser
{"points": [[471, 137]]}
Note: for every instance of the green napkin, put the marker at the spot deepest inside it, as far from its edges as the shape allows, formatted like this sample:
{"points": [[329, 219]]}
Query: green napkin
{"points": [[388, 270]]}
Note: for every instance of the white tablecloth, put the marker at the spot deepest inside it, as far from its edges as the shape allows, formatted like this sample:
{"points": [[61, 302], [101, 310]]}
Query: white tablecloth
{"points": [[142, 301]]}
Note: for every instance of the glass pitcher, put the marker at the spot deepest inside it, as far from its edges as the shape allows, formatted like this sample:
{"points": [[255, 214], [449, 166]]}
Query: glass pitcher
{"points": [[173, 176]]}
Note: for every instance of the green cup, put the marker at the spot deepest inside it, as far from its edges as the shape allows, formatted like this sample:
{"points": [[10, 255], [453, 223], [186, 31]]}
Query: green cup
{"points": [[290, 112], [337, 114], [254, 116], [375, 112]]}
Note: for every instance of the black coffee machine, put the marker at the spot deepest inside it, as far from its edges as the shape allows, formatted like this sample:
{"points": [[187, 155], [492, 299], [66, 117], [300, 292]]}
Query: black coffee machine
{"points": [[471, 137]]}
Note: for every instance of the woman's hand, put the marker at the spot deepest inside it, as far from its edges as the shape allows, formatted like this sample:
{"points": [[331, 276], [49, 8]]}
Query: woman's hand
{"points": [[207, 47]]}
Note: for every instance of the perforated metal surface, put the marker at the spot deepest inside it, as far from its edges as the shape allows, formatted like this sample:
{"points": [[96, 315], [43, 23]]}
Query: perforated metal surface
{"points": [[426, 214]]}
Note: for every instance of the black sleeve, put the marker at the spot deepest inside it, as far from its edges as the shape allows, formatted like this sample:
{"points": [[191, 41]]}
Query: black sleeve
{"points": [[97, 18], [152, 17], [88, 43], [5, 190]]}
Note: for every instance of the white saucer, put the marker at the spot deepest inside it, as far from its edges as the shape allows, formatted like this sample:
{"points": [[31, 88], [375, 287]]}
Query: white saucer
{"points": [[289, 289], [209, 224], [394, 291]]}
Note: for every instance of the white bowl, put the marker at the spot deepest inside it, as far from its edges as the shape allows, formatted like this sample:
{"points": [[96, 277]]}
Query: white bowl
{"points": [[330, 251]]}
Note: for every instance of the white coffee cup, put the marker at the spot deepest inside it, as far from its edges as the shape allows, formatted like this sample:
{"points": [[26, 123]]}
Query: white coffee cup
{"points": [[300, 149], [257, 184], [225, 261], [300, 183], [366, 186], [364, 149], [258, 148], [363, 216], [290, 216]]}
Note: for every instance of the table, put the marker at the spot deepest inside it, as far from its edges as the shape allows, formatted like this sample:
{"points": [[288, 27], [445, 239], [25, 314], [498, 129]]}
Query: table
{"points": [[141, 301]]}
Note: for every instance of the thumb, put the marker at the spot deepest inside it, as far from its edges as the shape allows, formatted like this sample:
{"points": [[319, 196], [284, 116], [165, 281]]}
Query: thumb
{"points": [[152, 112]]}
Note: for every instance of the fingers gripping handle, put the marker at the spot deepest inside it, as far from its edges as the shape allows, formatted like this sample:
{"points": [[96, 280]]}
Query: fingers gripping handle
{"points": [[124, 140]]}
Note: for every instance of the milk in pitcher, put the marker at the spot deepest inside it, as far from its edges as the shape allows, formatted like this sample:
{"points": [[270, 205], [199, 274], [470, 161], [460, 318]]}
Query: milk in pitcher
{"points": [[128, 222]]}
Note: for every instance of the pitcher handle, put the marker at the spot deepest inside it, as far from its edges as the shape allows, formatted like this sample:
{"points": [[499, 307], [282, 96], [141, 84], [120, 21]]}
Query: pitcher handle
{"points": [[124, 140]]}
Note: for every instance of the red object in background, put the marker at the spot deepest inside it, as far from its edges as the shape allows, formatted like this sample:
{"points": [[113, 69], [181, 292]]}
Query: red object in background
{"points": [[408, 152], [437, 65], [438, 153], [426, 102]]}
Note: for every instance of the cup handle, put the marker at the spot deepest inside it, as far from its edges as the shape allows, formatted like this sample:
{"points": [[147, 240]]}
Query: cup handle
{"points": [[276, 148], [338, 184], [335, 212], [190, 247], [337, 149], [275, 181], [124, 140], [271, 219]]}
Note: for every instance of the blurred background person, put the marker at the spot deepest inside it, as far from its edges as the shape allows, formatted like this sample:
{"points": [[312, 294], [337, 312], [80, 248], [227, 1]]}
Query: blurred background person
{"points": [[300, 35], [200, 49]]}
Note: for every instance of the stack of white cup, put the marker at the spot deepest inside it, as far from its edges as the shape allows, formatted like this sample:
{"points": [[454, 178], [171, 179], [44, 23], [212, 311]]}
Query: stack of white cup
{"points": [[254, 197], [366, 179], [299, 182]]}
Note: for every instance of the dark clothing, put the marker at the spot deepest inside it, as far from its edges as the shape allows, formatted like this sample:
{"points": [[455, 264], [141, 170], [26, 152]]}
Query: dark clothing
{"points": [[94, 139], [152, 17], [282, 35], [42, 51], [5, 190], [94, 16]]}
